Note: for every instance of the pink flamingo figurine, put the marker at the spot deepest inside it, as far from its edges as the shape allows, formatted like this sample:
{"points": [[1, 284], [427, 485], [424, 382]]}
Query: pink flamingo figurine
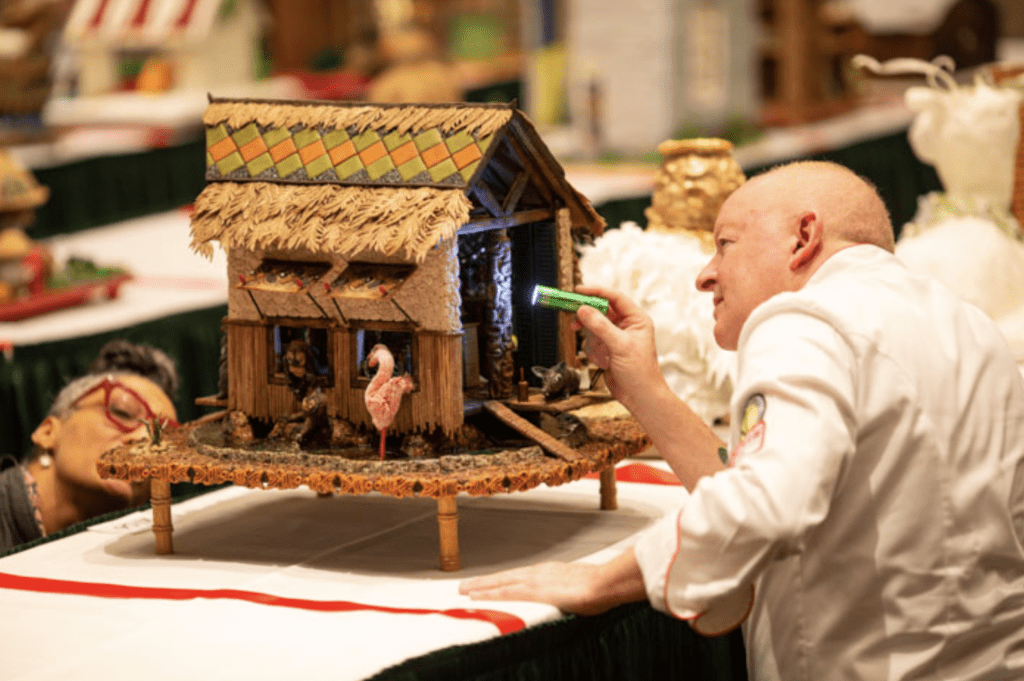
{"points": [[384, 394]]}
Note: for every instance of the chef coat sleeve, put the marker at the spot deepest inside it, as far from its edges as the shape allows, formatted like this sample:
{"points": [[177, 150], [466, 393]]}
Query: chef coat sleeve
{"points": [[793, 428]]}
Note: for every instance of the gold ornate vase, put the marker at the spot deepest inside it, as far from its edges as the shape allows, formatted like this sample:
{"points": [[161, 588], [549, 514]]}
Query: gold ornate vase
{"points": [[695, 177]]}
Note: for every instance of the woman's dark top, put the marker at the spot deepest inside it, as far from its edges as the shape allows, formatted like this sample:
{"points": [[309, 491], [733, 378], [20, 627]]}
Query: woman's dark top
{"points": [[17, 518]]}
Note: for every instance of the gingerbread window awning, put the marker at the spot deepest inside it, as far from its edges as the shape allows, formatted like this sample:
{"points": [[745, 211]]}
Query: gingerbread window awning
{"points": [[283, 276], [369, 281]]}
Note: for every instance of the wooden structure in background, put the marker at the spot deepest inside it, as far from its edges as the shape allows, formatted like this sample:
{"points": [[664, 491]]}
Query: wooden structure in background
{"points": [[480, 37], [802, 61], [342, 225], [807, 45], [28, 29], [303, 31], [967, 32]]}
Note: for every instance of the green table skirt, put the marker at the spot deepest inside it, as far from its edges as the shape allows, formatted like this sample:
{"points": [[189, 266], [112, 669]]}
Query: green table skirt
{"points": [[630, 643], [103, 190]]}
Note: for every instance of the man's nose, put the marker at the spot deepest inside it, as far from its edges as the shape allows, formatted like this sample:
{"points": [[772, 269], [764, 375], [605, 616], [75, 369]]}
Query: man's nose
{"points": [[706, 278]]}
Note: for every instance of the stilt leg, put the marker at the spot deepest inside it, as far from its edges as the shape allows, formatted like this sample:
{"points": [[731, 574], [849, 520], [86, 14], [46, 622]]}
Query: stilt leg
{"points": [[160, 498], [448, 528], [609, 494], [383, 439]]}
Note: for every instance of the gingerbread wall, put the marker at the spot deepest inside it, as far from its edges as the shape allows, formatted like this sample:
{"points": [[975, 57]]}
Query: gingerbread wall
{"points": [[430, 296]]}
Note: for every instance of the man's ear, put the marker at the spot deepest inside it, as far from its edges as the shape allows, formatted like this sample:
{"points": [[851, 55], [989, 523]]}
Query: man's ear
{"points": [[47, 433], [808, 242]]}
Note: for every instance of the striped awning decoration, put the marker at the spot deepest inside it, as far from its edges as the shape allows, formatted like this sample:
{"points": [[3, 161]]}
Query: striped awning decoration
{"points": [[141, 23]]}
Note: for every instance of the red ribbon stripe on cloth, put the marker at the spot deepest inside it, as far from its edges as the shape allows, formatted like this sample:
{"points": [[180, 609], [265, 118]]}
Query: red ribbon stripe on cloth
{"points": [[505, 622]]}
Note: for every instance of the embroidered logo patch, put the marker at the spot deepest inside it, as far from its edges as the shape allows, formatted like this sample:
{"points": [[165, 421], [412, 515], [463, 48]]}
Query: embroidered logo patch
{"points": [[752, 427], [752, 413]]}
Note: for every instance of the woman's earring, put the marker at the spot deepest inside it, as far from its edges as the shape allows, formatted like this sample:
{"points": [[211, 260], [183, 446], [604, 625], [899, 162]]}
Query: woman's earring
{"points": [[45, 460]]}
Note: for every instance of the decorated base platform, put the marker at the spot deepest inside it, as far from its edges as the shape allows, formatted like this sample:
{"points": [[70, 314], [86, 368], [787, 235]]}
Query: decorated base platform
{"points": [[197, 453]]}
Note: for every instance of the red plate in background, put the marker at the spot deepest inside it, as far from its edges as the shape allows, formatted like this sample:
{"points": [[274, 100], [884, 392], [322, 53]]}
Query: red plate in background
{"points": [[95, 290]]}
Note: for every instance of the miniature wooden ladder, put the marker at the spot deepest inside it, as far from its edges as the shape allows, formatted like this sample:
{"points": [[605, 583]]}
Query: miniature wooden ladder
{"points": [[556, 447], [547, 442]]}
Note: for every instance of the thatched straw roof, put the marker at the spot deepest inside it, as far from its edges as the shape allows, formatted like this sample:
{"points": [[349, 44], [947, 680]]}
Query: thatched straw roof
{"points": [[327, 218], [343, 176], [480, 119], [349, 143]]}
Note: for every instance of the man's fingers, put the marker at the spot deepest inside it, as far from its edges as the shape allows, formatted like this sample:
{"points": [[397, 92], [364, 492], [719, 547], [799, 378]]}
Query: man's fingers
{"points": [[621, 304], [503, 590], [492, 582], [520, 584], [478, 584], [499, 593], [594, 321]]}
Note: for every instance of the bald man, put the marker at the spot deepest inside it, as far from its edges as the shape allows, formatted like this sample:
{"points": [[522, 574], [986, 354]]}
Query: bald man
{"points": [[867, 520]]}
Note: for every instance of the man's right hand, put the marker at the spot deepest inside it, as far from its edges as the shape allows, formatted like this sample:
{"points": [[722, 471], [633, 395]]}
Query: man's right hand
{"points": [[621, 343]]}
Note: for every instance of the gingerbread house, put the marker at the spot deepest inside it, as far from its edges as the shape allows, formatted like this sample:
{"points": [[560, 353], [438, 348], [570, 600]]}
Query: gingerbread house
{"points": [[422, 227], [203, 43]]}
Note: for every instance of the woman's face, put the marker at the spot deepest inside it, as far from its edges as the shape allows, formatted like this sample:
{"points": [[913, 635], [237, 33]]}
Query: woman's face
{"points": [[100, 420]]}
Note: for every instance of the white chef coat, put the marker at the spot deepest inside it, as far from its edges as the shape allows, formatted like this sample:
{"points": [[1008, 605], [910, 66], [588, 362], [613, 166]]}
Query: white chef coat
{"points": [[874, 503]]}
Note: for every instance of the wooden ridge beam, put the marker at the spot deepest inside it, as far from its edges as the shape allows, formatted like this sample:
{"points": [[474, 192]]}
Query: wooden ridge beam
{"points": [[514, 220]]}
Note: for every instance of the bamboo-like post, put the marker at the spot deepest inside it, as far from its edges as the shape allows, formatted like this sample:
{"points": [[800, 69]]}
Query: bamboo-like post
{"points": [[448, 529], [160, 498], [609, 492], [565, 248]]}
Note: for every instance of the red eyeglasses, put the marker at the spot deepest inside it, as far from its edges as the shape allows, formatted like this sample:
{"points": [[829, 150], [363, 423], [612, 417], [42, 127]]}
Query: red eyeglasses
{"points": [[124, 407]]}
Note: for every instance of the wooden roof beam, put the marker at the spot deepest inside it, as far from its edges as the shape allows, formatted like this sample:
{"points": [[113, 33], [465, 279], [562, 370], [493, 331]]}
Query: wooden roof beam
{"points": [[515, 192], [545, 189], [524, 217], [487, 199]]}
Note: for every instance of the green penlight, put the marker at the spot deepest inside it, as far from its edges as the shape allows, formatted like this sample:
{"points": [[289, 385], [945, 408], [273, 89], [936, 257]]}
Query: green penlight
{"points": [[557, 299]]}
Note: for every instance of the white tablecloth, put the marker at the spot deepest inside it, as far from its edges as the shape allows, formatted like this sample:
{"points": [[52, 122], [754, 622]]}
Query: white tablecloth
{"points": [[372, 552]]}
